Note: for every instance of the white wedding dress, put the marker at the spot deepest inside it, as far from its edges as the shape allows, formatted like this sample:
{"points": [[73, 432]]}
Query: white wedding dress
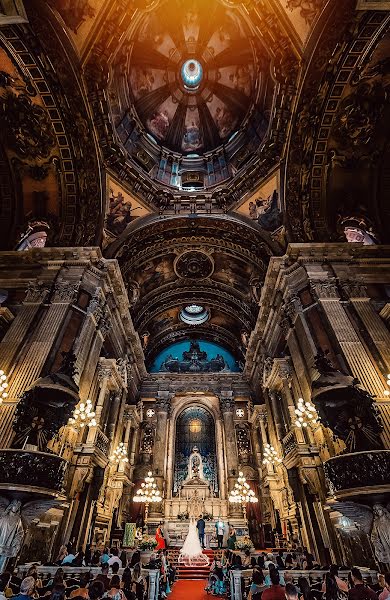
{"points": [[191, 554]]}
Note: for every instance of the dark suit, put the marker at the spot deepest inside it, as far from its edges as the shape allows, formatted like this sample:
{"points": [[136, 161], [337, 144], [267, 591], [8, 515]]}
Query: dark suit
{"points": [[201, 526]]}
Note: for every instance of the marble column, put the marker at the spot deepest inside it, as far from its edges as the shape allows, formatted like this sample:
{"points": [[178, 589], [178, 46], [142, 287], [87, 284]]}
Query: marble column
{"points": [[227, 406]]}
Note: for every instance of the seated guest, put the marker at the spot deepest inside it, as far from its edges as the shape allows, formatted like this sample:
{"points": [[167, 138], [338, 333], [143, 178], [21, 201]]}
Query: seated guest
{"points": [[279, 560], [268, 578], [61, 555], [32, 572], [246, 563], [4, 581], [276, 591], [115, 592], [105, 557], [69, 558], [26, 589], [288, 562], [95, 560], [257, 586], [79, 558], [115, 558], [305, 589], [82, 590], [291, 592], [58, 592], [115, 568], [384, 584], [360, 591], [104, 578], [334, 574], [270, 559], [135, 559], [261, 560], [253, 562], [96, 590], [236, 562]]}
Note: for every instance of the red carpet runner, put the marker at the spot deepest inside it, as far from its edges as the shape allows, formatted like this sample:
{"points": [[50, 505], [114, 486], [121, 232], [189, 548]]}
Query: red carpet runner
{"points": [[189, 590]]}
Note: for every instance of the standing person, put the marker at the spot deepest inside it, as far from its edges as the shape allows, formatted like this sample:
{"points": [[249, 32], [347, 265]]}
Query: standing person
{"points": [[138, 582], [360, 591], [201, 526], [160, 538], [88, 555], [96, 590], [115, 592], [291, 592], [231, 543], [305, 589], [384, 582], [332, 576], [257, 585], [103, 577], [280, 561], [220, 531]]}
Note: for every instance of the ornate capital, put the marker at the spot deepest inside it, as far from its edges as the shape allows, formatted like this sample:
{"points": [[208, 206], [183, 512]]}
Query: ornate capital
{"points": [[65, 291], [325, 289], [354, 289], [293, 306], [163, 401], [104, 372], [95, 306], [226, 401], [36, 292]]}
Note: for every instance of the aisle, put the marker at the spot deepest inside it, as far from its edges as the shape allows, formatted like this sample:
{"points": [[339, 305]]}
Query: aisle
{"points": [[189, 590]]}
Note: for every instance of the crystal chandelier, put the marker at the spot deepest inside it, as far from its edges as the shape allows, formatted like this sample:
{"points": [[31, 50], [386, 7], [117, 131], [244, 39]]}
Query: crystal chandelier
{"points": [[242, 493], [271, 456], [120, 454], [83, 415], [3, 386], [148, 493], [306, 414]]}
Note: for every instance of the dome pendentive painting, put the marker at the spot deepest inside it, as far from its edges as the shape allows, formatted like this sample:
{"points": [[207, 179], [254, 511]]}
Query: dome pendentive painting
{"points": [[198, 81]]}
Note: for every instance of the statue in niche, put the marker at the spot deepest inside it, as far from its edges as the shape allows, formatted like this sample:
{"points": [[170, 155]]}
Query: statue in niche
{"points": [[195, 465], [375, 522], [14, 519]]}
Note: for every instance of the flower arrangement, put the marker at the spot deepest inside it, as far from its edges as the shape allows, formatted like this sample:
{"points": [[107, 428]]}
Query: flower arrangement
{"points": [[148, 542], [184, 516], [244, 543]]}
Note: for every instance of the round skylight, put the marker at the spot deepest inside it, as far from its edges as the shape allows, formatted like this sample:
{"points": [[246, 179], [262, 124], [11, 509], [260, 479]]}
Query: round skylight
{"points": [[192, 74], [194, 314]]}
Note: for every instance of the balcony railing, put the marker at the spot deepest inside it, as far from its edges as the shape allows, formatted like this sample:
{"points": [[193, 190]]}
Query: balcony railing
{"points": [[357, 471], [102, 442], [289, 443], [32, 469]]}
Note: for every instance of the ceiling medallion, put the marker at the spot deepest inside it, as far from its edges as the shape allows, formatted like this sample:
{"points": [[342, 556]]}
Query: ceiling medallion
{"points": [[194, 314], [194, 264], [192, 74]]}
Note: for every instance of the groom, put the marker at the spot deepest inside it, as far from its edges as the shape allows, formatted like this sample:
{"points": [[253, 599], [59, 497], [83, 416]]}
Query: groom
{"points": [[201, 525]]}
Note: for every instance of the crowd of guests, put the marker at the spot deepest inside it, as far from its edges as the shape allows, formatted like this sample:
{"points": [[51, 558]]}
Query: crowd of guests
{"points": [[108, 584], [273, 579]]}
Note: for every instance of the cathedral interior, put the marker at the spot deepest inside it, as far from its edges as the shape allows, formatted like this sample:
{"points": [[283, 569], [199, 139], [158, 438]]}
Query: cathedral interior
{"points": [[195, 276]]}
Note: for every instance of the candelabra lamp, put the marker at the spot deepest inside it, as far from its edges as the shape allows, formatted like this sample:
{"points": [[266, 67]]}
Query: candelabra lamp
{"points": [[148, 493], [242, 493]]}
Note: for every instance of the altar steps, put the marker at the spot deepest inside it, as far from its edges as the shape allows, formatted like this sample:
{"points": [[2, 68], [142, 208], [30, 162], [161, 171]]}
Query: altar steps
{"points": [[193, 572]]}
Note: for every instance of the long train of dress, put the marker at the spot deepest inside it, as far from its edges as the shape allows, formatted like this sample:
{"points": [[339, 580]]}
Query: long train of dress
{"points": [[191, 554]]}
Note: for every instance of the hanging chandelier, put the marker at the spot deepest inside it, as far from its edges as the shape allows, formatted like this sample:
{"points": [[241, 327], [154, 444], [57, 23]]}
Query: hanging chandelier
{"points": [[306, 414], [271, 456], [242, 493], [83, 416], [120, 454]]}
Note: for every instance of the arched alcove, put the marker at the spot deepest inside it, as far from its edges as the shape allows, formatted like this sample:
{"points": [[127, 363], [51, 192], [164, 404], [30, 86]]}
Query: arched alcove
{"points": [[195, 427]]}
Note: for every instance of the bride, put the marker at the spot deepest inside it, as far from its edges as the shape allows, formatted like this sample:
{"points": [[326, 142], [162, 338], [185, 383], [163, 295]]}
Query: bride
{"points": [[191, 554]]}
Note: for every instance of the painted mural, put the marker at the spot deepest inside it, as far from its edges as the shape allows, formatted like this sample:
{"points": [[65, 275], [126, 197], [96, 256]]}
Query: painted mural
{"points": [[264, 206], [122, 209], [303, 14], [79, 16], [184, 116]]}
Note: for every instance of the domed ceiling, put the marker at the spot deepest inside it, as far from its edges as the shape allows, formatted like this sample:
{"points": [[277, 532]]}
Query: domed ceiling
{"points": [[192, 75], [199, 86]]}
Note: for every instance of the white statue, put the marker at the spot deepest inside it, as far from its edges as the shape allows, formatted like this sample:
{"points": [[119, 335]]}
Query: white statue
{"points": [[375, 522], [14, 519], [195, 466]]}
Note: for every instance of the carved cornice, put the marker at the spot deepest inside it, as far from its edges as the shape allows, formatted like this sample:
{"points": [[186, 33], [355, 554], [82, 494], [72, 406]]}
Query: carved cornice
{"points": [[325, 289]]}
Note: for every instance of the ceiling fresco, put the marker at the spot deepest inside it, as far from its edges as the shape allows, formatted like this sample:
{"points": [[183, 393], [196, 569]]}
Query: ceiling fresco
{"points": [[192, 74]]}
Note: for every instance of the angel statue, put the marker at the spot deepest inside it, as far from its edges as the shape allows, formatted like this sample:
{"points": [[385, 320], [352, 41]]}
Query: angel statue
{"points": [[374, 522], [14, 520]]}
